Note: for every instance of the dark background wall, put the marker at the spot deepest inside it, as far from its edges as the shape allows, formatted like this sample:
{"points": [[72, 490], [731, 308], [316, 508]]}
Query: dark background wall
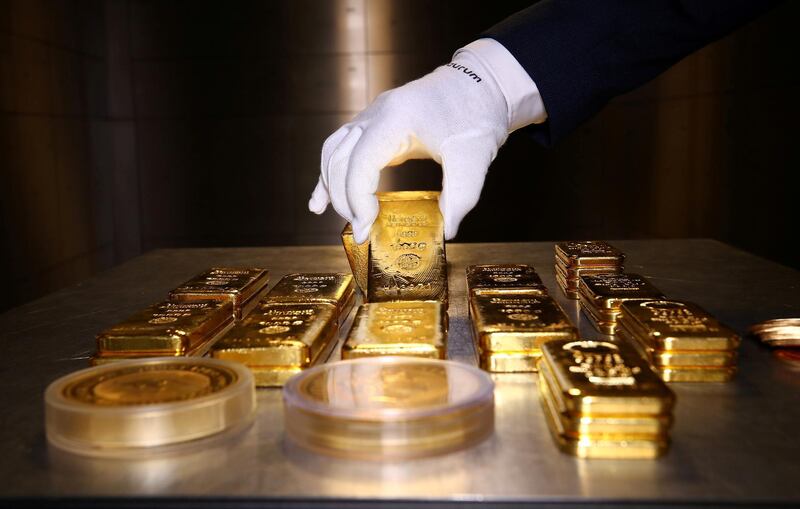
{"points": [[127, 125]]}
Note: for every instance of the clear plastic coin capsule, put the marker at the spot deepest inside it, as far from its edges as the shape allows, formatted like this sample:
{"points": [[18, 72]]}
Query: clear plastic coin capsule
{"points": [[389, 408]]}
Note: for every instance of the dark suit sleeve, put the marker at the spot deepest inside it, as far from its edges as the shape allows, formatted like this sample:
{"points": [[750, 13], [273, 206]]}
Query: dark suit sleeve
{"points": [[582, 53]]}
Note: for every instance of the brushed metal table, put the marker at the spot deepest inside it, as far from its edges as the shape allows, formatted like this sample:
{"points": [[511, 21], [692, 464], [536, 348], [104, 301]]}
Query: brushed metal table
{"points": [[734, 443]]}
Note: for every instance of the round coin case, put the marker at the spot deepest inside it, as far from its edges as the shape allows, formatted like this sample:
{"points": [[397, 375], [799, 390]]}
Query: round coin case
{"points": [[138, 407], [389, 408]]}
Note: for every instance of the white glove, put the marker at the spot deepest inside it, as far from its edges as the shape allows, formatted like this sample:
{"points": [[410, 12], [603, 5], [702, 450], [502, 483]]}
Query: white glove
{"points": [[457, 115]]}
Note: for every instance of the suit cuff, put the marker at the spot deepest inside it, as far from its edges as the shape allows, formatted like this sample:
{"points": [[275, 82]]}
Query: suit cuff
{"points": [[524, 102]]}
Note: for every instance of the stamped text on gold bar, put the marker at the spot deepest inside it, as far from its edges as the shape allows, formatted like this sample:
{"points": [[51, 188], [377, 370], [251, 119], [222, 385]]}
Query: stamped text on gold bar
{"points": [[413, 328]]}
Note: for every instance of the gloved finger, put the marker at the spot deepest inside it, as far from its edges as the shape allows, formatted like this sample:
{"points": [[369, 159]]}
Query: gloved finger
{"points": [[465, 161], [319, 198], [374, 151], [337, 173], [328, 147]]}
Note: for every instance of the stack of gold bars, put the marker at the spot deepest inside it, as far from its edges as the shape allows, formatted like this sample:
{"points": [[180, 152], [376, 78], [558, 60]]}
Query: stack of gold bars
{"points": [[243, 287], [574, 259], [782, 335], [681, 340], [402, 271], [602, 295], [296, 326], [198, 313], [603, 400], [512, 316]]}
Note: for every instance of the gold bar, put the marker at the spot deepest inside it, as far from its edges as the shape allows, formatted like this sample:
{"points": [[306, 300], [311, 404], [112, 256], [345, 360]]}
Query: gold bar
{"points": [[694, 358], [609, 291], [518, 321], [589, 253], [602, 446], [676, 325], [243, 287], [357, 257], [603, 321], [579, 425], [697, 374], [273, 377], [505, 278], [406, 249], [574, 273], [293, 335], [510, 362], [679, 358], [412, 328], [316, 287], [571, 282], [570, 288], [604, 378], [168, 328], [101, 358]]}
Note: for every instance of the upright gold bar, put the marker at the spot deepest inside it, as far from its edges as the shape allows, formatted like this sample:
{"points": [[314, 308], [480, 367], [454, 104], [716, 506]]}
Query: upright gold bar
{"points": [[357, 257], [281, 335], [168, 328], [593, 378], [243, 287], [671, 325], [406, 249], [411, 328], [505, 278], [589, 253], [316, 287], [518, 322]]}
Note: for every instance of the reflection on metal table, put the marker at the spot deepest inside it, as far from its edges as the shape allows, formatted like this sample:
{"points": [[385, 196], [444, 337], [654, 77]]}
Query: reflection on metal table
{"points": [[731, 442]]}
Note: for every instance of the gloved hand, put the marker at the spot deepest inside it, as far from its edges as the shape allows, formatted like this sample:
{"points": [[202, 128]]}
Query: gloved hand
{"points": [[457, 115]]}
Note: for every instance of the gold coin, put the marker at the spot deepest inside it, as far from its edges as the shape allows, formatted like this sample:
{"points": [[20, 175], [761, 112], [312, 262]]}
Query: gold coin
{"points": [[128, 408], [388, 386], [149, 384], [389, 407]]}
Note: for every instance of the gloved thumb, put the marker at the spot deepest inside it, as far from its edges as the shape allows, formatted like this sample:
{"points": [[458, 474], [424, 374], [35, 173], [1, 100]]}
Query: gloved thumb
{"points": [[465, 161]]}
